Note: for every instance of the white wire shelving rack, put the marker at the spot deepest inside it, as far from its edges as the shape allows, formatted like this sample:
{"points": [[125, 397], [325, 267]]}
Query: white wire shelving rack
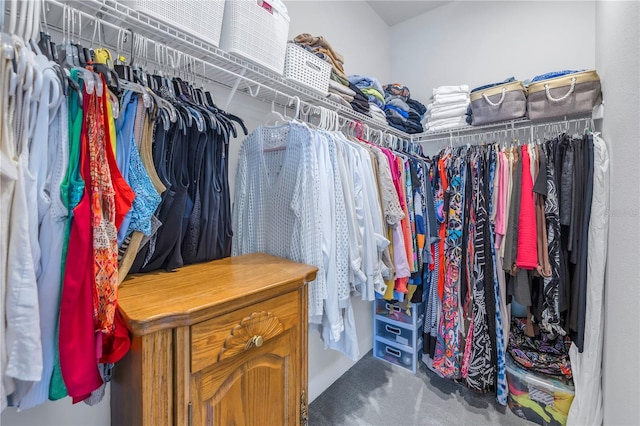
{"points": [[204, 60]]}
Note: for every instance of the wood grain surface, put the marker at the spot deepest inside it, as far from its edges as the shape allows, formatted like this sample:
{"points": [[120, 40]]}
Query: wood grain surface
{"points": [[194, 293]]}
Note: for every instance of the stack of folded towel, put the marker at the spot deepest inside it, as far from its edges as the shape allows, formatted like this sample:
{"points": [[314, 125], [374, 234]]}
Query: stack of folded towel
{"points": [[402, 112], [448, 108]]}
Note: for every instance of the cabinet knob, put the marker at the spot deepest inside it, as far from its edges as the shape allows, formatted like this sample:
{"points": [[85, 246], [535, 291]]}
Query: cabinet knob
{"points": [[257, 341]]}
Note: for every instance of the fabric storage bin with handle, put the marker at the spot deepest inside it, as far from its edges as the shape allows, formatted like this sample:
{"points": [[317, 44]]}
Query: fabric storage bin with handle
{"points": [[256, 30], [503, 102], [200, 18], [573, 93], [539, 398], [306, 68]]}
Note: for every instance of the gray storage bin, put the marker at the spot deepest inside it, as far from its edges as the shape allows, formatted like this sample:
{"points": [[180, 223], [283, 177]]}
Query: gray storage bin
{"points": [[570, 94], [499, 103]]}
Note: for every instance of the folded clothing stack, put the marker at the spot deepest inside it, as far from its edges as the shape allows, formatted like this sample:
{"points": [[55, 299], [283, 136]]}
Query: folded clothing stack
{"points": [[341, 94], [340, 90], [372, 89], [448, 108], [360, 101], [377, 114], [320, 47], [402, 112]]}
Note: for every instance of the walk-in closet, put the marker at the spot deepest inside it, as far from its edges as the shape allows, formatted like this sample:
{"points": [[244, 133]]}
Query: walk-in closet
{"points": [[270, 212]]}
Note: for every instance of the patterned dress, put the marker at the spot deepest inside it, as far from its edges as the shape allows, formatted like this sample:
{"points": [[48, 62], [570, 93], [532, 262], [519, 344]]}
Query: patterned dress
{"points": [[481, 372], [105, 179], [447, 356]]}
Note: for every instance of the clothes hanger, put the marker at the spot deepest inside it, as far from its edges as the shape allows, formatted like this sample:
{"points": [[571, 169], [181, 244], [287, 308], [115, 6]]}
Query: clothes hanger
{"points": [[274, 118], [20, 31], [13, 14]]}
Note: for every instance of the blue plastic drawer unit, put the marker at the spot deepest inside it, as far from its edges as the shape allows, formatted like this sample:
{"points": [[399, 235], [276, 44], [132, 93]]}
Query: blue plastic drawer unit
{"points": [[398, 333]]}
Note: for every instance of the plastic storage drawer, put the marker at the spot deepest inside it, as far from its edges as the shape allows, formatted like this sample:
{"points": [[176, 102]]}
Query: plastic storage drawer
{"points": [[395, 333], [400, 355], [395, 312]]}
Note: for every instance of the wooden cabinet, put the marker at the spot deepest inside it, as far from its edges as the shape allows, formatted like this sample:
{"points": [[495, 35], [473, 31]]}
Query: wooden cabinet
{"points": [[218, 343]]}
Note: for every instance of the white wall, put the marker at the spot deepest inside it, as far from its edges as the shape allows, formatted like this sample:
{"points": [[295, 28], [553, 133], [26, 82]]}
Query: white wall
{"points": [[353, 29], [480, 42], [618, 63]]}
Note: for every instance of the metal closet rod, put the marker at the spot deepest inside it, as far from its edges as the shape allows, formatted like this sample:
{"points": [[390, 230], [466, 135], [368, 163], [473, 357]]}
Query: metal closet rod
{"points": [[506, 128], [174, 53]]}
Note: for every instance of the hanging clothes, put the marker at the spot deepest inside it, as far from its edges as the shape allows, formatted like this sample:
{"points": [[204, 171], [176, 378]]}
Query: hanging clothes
{"points": [[508, 235], [80, 194], [587, 406]]}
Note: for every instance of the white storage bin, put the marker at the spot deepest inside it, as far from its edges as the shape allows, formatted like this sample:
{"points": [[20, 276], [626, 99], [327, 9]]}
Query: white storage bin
{"points": [[256, 30], [200, 18], [306, 68]]}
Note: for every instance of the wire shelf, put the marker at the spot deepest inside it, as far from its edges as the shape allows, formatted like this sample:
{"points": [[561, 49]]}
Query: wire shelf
{"points": [[206, 61]]}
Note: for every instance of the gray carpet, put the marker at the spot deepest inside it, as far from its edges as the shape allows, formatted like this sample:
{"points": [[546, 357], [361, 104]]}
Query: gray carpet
{"points": [[373, 392]]}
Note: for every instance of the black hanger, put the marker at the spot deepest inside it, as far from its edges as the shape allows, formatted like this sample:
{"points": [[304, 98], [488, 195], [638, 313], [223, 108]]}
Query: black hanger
{"points": [[110, 76], [45, 45]]}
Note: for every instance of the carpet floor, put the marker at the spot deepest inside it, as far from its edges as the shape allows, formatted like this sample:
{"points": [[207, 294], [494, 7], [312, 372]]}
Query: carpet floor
{"points": [[374, 392]]}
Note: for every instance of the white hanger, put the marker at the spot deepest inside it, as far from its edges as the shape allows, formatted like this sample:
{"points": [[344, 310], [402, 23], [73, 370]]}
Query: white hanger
{"points": [[274, 118], [11, 23], [297, 101], [21, 27]]}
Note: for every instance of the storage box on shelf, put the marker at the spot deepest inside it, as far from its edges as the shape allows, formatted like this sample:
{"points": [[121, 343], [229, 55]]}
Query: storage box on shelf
{"points": [[542, 399], [398, 333], [499, 103], [200, 18], [306, 68], [256, 30], [569, 94]]}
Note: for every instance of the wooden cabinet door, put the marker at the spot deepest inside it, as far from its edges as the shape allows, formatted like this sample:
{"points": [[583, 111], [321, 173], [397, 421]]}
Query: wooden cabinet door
{"points": [[260, 387]]}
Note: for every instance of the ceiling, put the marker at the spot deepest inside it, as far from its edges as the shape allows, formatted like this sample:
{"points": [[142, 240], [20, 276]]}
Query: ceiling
{"points": [[395, 12]]}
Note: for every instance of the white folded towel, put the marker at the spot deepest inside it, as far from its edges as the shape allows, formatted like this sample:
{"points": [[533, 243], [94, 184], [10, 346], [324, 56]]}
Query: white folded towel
{"points": [[447, 123], [450, 99], [446, 107], [449, 113], [447, 90]]}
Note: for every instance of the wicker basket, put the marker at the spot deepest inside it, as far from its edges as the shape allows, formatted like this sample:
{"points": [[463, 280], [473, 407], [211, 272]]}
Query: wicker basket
{"points": [[256, 30], [306, 68], [200, 18]]}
